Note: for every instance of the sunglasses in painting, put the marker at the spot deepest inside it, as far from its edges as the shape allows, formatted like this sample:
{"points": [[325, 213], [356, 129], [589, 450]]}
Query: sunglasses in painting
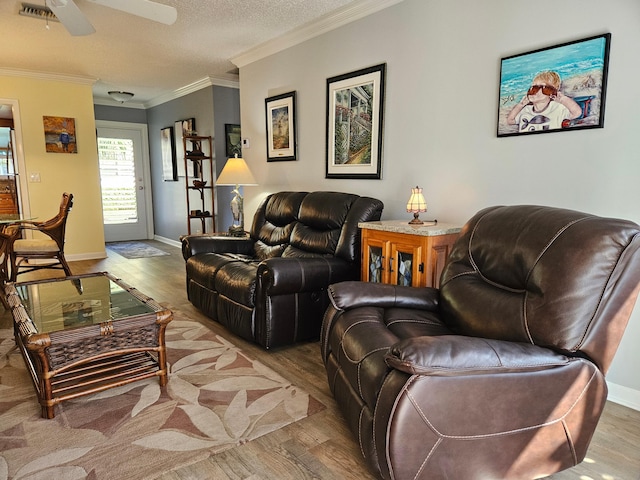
{"points": [[546, 90]]}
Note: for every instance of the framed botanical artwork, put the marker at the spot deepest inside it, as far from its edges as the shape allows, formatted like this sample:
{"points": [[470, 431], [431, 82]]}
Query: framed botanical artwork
{"points": [[60, 134], [168, 146], [355, 108], [281, 127], [554, 89], [233, 140], [180, 129]]}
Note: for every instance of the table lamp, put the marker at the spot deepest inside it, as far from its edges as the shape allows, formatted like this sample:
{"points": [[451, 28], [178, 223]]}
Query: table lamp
{"points": [[416, 204], [236, 173]]}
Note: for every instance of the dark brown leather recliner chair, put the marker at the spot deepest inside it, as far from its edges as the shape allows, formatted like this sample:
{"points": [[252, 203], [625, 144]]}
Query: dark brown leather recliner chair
{"points": [[499, 374], [270, 287]]}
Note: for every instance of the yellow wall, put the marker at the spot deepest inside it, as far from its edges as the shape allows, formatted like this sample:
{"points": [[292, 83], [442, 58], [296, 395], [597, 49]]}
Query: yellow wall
{"points": [[59, 172]]}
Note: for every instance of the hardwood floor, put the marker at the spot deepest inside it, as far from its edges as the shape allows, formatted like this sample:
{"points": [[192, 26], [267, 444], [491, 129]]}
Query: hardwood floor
{"points": [[321, 446]]}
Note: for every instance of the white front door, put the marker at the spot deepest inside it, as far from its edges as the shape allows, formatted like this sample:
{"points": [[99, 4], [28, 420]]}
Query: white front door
{"points": [[126, 195]]}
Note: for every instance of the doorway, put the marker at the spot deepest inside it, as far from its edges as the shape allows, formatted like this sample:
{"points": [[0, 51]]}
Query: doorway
{"points": [[123, 155]]}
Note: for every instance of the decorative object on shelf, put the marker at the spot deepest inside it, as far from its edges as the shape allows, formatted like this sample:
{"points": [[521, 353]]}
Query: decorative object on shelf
{"points": [[60, 134], [281, 127], [199, 183], [233, 140], [168, 147], [416, 204], [236, 173], [554, 89], [181, 129], [196, 147], [355, 105], [120, 96]]}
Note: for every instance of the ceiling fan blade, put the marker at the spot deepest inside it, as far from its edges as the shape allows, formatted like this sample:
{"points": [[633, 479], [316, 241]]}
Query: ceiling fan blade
{"points": [[143, 8], [71, 17]]}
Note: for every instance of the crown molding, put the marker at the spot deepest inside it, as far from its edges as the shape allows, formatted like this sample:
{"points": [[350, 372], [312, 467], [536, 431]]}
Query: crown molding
{"points": [[77, 79], [230, 81], [109, 102], [343, 16]]}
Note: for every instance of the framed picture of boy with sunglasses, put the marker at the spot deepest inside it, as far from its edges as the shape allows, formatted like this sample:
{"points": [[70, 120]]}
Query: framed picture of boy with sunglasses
{"points": [[554, 89]]}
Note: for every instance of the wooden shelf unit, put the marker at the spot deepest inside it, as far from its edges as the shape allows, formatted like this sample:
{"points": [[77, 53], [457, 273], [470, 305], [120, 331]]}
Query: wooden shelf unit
{"points": [[198, 167]]}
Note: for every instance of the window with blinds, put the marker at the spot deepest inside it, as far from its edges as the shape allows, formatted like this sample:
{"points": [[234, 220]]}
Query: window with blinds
{"points": [[118, 180]]}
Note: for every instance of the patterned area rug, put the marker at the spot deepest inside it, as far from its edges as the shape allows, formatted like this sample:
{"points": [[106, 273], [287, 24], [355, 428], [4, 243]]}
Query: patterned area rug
{"points": [[216, 398], [135, 249]]}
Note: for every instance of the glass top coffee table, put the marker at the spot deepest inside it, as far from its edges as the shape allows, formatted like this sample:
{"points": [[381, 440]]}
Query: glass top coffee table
{"points": [[86, 333]]}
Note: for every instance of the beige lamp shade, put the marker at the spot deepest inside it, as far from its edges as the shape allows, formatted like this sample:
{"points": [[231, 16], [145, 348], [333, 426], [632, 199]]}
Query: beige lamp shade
{"points": [[416, 204], [236, 172]]}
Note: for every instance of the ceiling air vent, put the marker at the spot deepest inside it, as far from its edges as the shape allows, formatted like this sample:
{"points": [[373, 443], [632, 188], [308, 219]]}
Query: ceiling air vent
{"points": [[38, 11]]}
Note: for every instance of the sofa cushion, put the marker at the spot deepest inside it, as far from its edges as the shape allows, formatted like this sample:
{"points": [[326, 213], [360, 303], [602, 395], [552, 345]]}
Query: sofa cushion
{"points": [[321, 218], [312, 241], [264, 251], [236, 280], [233, 276], [274, 222]]}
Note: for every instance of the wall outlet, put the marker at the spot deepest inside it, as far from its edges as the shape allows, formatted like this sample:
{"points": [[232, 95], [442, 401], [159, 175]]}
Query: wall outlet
{"points": [[246, 143]]}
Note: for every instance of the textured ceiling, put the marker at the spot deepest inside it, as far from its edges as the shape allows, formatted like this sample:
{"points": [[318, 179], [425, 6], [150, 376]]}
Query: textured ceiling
{"points": [[147, 58]]}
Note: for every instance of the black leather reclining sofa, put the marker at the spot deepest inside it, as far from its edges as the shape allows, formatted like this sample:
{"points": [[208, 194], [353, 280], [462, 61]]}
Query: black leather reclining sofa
{"points": [[270, 287]]}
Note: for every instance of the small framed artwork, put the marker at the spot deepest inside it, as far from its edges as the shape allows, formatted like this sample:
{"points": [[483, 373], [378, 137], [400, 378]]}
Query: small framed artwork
{"points": [[168, 144], [60, 134], [180, 129], [554, 89], [281, 127], [233, 140], [355, 107]]}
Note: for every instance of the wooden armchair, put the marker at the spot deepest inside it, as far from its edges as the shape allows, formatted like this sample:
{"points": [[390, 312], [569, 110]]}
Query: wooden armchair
{"points": [[47, 247]]}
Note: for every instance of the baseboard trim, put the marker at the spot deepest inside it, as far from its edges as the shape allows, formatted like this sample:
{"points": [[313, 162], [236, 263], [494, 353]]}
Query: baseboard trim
{"points": [[168, 241], [76, 257], [625, 396]]}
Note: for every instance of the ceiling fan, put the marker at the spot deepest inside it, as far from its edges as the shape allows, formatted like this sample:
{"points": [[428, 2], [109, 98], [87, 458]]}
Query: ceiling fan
{"points": [[77, 23]]}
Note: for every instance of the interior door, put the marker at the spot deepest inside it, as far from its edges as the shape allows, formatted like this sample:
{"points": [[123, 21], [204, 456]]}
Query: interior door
{"points": [[126, 203]]}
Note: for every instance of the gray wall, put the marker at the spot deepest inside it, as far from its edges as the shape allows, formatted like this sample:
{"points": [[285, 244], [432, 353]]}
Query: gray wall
{"points": [[120, 114], [169, 198], [226, 102], [443, 67]]}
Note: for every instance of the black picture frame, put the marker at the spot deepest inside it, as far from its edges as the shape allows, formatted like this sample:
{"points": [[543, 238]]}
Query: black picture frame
{"points": [[280, 116], [577, 74], [168, 149], [355, 114], [233, 140]]}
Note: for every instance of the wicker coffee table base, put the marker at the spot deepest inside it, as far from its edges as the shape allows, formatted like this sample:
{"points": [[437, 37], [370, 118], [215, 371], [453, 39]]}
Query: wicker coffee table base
{"points": [[70, 363]]}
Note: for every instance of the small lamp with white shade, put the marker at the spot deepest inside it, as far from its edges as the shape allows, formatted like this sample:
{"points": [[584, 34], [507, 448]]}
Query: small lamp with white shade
{"points": [[416, 204]]}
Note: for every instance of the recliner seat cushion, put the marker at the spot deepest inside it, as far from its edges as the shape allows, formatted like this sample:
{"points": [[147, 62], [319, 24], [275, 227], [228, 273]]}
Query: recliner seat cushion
{"points": [[233, 276]]}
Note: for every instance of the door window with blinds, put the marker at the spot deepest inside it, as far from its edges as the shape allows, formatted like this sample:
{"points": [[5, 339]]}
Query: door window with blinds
{"points": [[118, 180]]}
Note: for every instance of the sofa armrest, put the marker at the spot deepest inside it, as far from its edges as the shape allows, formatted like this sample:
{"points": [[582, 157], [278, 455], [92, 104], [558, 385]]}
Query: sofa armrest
{"points": [[449, 355], [284, 275], [195, 244], [347, 295]]}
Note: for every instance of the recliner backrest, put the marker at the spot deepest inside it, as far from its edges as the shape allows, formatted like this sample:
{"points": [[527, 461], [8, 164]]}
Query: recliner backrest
{"points": [[273, 223], [328, 225], [547, 276], [303, 224]]}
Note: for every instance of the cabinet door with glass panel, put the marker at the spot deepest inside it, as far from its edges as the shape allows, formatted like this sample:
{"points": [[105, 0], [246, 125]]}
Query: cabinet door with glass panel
{"points": [[392, 261], [399, 254]]}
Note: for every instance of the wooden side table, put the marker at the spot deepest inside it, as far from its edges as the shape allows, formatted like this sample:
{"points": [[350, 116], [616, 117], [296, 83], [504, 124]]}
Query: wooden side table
{"points": [[397, 253]]}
